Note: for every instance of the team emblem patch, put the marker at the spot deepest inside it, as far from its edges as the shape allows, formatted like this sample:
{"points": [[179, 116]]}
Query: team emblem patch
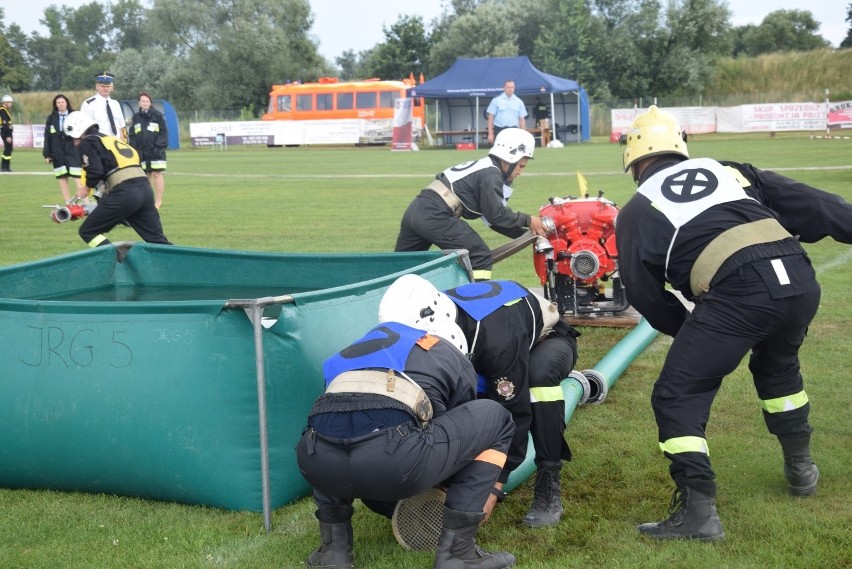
{"points": [[505, 388]]}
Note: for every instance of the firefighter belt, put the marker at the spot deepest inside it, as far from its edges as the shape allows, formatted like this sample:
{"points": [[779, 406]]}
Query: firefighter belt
{"points": [[389, 384], [726, 244], [448, 196], [119, 176]]}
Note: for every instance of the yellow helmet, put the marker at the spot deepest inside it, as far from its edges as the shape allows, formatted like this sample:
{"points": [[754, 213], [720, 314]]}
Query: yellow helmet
{"points": [[651, 133]]}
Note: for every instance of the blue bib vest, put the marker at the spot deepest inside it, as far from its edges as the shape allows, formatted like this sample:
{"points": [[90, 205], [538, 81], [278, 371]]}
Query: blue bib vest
{"points": [[386, 347], [482, 298]]}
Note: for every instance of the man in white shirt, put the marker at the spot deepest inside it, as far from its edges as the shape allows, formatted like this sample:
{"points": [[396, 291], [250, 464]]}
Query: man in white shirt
{"points": [[105, 110], [506, 110]]}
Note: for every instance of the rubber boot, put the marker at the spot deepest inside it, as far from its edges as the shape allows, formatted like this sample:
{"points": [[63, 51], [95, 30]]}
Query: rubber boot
{"points": [[692, 515], [546, 508], [457, 547], [801, 473], [336, 536]]}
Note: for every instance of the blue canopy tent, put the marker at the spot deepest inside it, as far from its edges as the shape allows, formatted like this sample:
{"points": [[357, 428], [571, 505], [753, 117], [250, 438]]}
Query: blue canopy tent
{"points": [[459, 89]]}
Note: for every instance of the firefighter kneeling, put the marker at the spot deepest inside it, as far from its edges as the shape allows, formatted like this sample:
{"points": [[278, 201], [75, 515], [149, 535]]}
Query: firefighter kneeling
{"points": [[400, 416]]}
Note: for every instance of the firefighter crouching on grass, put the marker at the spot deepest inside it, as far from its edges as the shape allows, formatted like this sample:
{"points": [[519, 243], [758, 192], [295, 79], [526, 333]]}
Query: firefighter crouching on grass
{"points": [[522, 350], [725, 235], [127, 196], [480, 188], [399, 416]]}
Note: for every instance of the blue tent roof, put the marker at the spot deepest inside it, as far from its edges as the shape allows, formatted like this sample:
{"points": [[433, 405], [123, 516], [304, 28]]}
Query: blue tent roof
{"points": [[460, 88], [484, 77]]}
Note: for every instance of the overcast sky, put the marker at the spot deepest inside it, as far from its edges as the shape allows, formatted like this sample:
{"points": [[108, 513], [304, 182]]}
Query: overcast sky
{"points": [[336, 30]]}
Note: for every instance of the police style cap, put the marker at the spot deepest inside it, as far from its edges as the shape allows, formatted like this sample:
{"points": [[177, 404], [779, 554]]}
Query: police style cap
{"points": [[105, 78]]}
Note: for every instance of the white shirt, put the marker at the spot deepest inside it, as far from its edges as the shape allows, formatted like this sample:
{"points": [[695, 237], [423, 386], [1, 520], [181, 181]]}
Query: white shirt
{"points": [[96, 108]]}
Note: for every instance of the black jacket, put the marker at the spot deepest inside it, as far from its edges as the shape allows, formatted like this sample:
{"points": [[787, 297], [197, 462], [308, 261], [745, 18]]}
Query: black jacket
{"points": [[148, 134], [5, 122], [652, 251], [481, 192], [58, 146]]}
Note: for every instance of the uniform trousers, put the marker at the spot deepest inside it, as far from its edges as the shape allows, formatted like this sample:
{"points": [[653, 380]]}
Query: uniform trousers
{"points": [[749, 310], [402, 461], [429, 221], [8, 147], [551, 360], [131, 201]]}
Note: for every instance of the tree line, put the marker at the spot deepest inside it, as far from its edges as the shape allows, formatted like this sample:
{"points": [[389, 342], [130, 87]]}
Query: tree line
{"points": [[211, 55]]}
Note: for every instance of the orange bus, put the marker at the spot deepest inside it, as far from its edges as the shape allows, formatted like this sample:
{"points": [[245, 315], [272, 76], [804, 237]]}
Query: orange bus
{"points": [[336, 112]]}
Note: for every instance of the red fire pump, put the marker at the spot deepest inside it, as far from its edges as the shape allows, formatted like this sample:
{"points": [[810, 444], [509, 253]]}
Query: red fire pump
{"points": [[576, 259]]}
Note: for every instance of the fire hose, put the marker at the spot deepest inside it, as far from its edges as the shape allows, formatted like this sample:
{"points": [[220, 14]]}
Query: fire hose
{"points": [[520, 243], [599, 379], [71, 211]]}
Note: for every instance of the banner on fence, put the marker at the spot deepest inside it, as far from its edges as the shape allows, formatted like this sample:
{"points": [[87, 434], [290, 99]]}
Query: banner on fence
{"points": [[777, 117], [840, 115], [769, 117], [292, 133]]}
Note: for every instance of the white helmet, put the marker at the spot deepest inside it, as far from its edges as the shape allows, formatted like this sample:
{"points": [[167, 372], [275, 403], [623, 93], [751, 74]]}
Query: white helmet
{"points": [[512, 144], [451, 332], [414, 301], [7, 99], [77, 123]]}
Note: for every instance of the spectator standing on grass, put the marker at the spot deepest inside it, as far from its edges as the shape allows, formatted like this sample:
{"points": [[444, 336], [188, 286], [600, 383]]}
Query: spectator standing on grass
{"points": [[113, 171], [727, 236], [506, 110], [105, 110], [148, 135], [59, 149], [6, 132]]}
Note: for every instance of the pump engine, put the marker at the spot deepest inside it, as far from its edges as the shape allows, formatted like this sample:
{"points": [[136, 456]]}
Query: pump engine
{"points": [[578, 258]]}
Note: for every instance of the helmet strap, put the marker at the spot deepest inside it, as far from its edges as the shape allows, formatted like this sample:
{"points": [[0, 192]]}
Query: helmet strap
{"points": [[508, 172]]}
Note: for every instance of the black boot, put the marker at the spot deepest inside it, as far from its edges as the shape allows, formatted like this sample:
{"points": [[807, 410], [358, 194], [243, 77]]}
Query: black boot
{"points": [[336, 535], [547, 508], [801, 472], [692, 515], [457, 547]]}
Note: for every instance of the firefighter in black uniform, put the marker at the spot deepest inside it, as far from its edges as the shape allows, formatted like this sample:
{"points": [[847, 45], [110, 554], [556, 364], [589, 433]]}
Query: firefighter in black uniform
{"points": [[6, 133], [471, 190], [126, 197], [522, 351], [726, 236], [399, 416]]}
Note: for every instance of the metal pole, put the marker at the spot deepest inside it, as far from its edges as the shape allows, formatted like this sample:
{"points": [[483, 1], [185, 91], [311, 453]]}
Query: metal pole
{"points": [[476, 125], [827, 125], [552, 117], [254, 310], [256, 319], [579, 119]]}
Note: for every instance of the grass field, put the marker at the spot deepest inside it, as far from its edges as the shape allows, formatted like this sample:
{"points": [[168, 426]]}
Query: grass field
{"points": [[350, 200]]}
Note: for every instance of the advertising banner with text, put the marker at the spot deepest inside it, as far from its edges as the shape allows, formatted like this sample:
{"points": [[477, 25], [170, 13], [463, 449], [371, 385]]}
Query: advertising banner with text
{"points": [[768, 117]]}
